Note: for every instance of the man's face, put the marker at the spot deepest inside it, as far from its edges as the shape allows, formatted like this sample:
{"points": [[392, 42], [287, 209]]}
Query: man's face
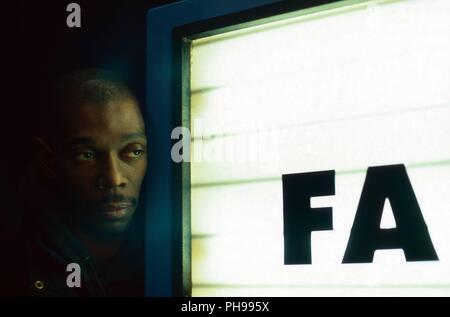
{"points": [[101, 162]]}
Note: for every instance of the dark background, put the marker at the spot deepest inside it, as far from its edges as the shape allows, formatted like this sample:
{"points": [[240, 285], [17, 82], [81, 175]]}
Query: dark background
{"points": [[41, 48]]}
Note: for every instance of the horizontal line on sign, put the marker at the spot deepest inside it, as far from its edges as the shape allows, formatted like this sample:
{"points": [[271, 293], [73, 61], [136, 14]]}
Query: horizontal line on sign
{"points": [[205, 89], [327, 121], [342, 172], [203, 236], [319, 286], [237, 182], [291, 73]]}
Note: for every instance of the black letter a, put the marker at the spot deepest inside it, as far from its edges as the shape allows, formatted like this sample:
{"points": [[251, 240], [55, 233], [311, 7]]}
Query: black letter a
{"points": [[411, 233]]}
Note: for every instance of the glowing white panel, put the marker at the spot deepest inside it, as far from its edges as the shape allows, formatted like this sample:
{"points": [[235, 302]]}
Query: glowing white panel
{"points": [[336, 88]]}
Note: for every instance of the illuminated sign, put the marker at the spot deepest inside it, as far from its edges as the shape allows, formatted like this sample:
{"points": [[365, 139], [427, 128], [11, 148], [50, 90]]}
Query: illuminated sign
{"points": [[319, 155]]}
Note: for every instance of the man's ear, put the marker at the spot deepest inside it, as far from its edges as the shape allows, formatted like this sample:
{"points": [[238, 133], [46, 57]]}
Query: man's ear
{"points": [[45, 158]]}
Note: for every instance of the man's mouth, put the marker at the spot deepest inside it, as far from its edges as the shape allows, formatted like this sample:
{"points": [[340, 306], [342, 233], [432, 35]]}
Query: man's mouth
{"points": [[116, 211]]}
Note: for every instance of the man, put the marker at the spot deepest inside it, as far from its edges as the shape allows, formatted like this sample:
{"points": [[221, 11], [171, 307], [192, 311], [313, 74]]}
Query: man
{"points": [[91, 164]]}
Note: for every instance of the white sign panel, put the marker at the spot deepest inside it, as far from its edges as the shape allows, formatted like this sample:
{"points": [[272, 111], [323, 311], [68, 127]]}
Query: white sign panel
{"points": [[331, 92]]}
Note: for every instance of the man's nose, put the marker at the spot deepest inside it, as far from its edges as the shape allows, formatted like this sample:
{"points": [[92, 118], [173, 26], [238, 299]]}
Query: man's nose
{"points": [[111, 175]]}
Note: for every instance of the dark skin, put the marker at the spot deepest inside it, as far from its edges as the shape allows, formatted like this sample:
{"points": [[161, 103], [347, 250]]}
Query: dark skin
{"points": [[98, 162]]}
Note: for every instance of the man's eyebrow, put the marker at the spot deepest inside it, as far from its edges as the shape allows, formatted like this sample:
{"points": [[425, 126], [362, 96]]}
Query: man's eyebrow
{"points": [[81, 141], [89, 141], [134, 136]]}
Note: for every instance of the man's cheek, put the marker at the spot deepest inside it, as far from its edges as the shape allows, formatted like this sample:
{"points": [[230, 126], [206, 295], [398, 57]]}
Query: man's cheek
{"points": [[77, 191], [80, 180]]}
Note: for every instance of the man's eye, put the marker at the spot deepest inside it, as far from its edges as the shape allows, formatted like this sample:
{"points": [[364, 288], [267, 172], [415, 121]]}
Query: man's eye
{"points": [[85, 156], [135, 154]]}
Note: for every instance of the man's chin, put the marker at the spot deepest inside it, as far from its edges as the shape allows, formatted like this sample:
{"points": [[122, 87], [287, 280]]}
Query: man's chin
{"points": [[111, 228], [115, 228], [103, 229]]}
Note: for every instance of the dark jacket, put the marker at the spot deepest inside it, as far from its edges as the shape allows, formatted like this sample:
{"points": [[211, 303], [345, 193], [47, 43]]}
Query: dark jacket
{"points": [[35, 260]]}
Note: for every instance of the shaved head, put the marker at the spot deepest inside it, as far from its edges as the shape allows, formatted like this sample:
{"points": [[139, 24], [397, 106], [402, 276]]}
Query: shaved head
{"points": [[88, 86]]}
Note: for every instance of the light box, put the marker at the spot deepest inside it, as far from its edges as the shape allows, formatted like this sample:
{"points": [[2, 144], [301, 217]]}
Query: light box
{"points": [[341, 86]]}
